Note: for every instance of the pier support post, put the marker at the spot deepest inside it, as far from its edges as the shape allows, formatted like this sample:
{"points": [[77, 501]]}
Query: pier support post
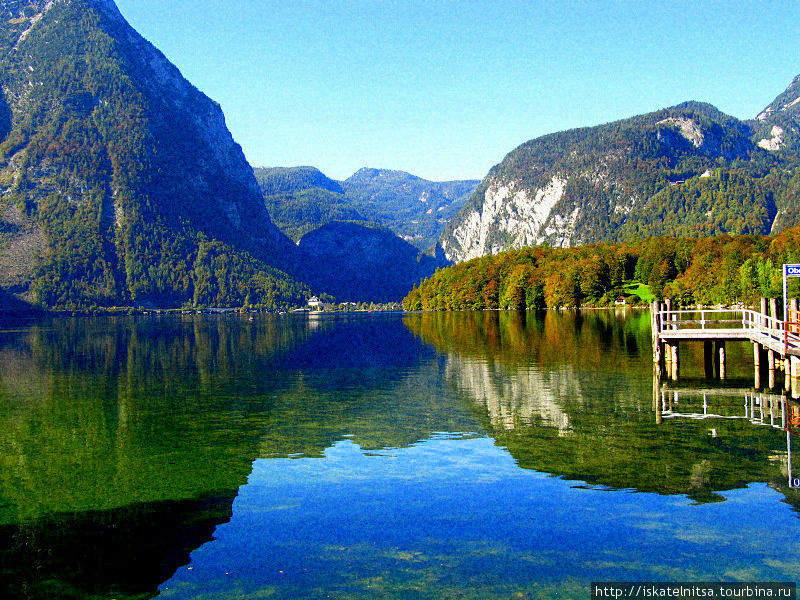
{"points": [[675, 361], [771, 367], [719, 359], [756, 363], [763, 311]]}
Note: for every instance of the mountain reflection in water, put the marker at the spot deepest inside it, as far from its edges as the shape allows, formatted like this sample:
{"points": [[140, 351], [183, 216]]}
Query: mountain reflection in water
{"points": [[366, 456]]}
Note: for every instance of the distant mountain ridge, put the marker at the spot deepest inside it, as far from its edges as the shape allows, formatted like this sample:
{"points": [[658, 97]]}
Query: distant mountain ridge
{"points": [[685, 170], [300, 199]]}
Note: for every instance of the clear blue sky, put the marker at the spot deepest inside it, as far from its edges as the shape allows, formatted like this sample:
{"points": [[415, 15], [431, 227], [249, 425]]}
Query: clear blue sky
{"points": [[444, 89]]}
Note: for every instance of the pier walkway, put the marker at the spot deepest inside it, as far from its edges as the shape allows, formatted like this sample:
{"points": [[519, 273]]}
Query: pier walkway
{"points": [[776, 343], [736, 325]]}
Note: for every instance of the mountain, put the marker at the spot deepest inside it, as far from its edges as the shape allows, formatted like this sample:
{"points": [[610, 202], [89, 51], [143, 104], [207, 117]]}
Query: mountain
{"points": [[285, 180], [355, 262], [300, 199], [120, 182], [688, 170], [414, 208]]}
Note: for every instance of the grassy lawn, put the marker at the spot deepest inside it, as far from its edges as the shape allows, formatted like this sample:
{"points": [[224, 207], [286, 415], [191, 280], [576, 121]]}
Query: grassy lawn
{"points": [[641, 290]]}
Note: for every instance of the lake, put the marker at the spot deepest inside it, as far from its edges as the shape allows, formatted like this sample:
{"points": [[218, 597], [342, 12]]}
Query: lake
{"points": [[452, 455]]}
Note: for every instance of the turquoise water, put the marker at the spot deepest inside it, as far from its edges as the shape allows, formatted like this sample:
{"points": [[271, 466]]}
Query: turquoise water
{"points": [[468, 455]]}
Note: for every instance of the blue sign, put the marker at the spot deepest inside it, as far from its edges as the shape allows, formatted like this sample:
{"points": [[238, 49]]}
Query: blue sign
{"points": [[792, 270]]}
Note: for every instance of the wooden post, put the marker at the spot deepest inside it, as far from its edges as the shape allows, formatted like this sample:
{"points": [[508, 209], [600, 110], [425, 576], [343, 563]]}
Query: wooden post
{"points": [[756, 363], [655, 306], [719, 358], [763, 310], [771, 367], [675, 361], [668, 307]]}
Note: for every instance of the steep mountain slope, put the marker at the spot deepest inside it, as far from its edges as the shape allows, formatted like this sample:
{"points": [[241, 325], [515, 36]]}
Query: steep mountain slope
{"points": [[359, 263], [777, 127], [685, 170], [300, 199], [120, 181]]}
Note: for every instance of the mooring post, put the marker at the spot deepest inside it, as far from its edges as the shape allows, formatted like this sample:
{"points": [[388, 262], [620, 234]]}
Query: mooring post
{"points": [[655, 307], [668, 308]]}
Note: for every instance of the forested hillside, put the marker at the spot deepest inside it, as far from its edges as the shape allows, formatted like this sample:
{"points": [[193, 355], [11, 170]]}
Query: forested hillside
{"points": [[714, 270], [300, 199], [120, 181]]}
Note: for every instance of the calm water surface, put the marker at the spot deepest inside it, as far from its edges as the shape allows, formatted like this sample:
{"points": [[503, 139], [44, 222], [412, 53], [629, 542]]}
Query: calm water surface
{"points": [[465, 455]]}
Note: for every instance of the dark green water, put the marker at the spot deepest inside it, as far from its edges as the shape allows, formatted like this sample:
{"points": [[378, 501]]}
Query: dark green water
{"points": [[465, 455]]}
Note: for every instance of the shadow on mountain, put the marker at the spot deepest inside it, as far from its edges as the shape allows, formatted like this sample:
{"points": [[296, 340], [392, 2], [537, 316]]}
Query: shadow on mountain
{"points": [[12, 306], [358, 263], [5, 118]]}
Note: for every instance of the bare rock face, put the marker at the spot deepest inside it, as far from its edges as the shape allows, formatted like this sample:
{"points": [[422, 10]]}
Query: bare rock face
{"points": [[777, 127], [510, 217]]}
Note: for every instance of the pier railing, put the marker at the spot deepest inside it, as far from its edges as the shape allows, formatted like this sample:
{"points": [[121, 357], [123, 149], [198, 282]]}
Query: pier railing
{"points": [[761, 328]]}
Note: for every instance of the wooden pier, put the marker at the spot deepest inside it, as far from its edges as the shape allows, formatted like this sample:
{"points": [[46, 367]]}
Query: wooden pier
{"points": [[776, 343]]}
